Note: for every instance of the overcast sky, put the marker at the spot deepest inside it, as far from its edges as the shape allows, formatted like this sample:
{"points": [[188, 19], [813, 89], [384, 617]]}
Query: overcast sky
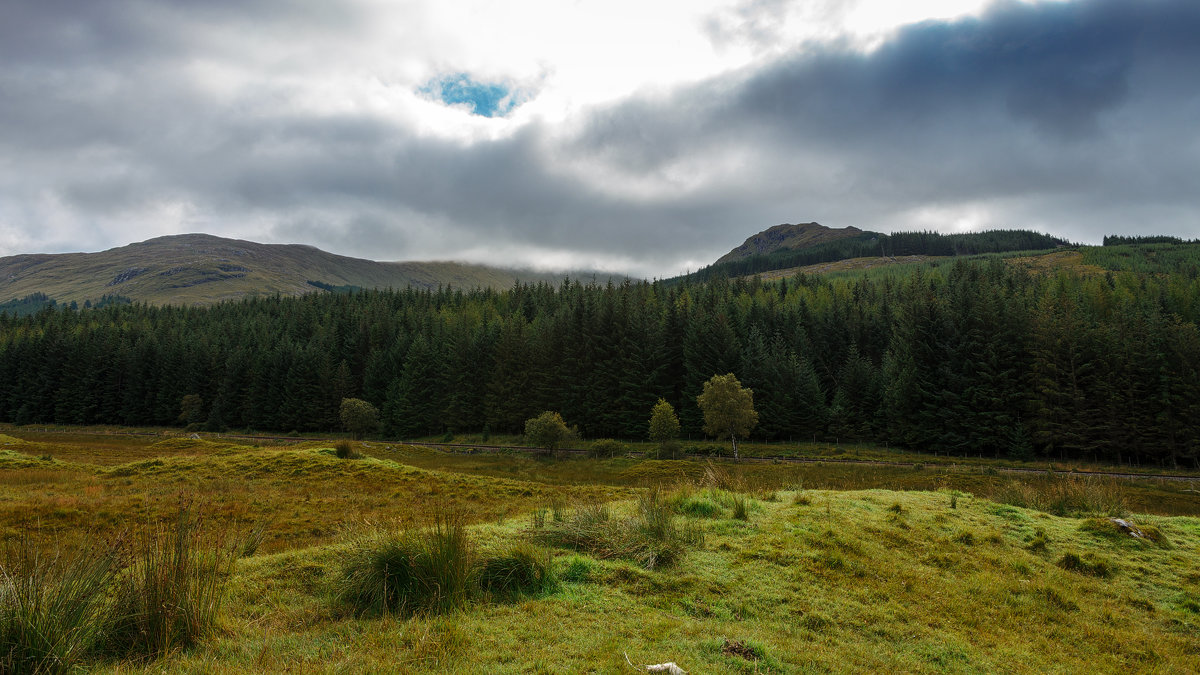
{"points": [[647, 137]]}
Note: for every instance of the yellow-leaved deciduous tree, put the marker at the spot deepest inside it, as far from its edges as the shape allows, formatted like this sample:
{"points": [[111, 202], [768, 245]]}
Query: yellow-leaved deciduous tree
{"points": [[664, 427], [728, 408]]}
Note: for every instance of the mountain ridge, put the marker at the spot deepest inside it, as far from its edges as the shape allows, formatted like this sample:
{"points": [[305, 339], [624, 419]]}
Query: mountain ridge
{"points": [[201, 269], [787, 236]]}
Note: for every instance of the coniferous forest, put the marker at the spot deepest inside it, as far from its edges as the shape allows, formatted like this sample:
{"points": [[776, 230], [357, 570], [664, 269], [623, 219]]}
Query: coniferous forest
{"points": [[977, 357]]}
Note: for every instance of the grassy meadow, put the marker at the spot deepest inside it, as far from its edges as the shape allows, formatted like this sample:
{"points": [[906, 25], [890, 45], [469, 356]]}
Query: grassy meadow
{"points": [[375, 557]]}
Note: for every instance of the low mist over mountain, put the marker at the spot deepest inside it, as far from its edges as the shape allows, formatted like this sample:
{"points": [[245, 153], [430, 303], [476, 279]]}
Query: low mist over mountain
{"points": [[192, 269]]}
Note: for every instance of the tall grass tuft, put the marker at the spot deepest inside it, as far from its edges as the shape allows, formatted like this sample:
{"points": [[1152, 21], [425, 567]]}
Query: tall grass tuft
{"points": [[246, 543], [1092, 566], [51, 606], [718, 477], [408, 572], [169, 597], [696, 504], [525, 570], [343, 450], [740, 507], [558, 507], [1063, 495], [651, 536]]}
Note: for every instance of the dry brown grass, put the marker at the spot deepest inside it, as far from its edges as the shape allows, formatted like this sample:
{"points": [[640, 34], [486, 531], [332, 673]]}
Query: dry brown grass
{"points": [[848, 265], [1071, 261], [305, 492], [814, 580]]}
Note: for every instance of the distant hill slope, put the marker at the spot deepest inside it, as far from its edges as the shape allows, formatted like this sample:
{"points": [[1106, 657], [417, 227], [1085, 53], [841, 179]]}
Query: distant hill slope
{"points": [[193, 269], [788, 236], [785, 247]]}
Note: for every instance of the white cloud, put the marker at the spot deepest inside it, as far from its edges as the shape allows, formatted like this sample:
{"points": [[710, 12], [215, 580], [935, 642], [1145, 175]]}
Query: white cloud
{"points": [[656, 135]]}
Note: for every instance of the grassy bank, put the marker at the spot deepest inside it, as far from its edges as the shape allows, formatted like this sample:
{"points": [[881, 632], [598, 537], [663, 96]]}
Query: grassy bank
{"points": [[813, 581], [717, 567]]}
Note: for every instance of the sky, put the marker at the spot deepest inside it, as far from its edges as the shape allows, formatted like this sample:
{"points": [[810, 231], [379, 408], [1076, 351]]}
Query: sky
{"points": [[647, 138]]}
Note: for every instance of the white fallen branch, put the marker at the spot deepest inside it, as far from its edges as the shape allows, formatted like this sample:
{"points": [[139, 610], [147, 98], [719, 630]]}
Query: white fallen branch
{"points": [[670, 668]]}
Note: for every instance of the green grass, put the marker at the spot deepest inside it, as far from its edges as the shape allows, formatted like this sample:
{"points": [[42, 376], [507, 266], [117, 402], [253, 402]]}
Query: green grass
{"points": [[171, 593], [523, 571], [827, 573], [421, 570], [52, 606], [139, 600], [843, 584], [651, 535]]}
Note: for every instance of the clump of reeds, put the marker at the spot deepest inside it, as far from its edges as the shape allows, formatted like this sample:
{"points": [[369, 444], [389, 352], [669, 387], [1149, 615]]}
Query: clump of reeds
{"points": [[143, 596], [524, 570], [52, 605], [343, 450], [1065, 495], [170, 594], [406, 572], [651, 536]]}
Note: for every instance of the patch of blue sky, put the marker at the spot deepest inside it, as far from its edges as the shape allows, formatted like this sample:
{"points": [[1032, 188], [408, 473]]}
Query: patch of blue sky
{"points": [[487, 99]]}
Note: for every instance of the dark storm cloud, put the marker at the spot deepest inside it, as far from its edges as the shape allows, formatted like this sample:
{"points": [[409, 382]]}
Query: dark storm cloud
{"points": [[1076, 118], [1080, 108], [1057, 67]]}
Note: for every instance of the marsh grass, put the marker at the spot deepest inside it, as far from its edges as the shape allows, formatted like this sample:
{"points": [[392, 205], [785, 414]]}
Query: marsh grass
{"points": [[524, 570], [698, 505], [52, 606], [827, 580], [558, 508], [171, 592], [1066, 495], [721, 477], [578, 569], [740, 508], [425, 570], [247, 542], [652, 535], [1089, 565]]}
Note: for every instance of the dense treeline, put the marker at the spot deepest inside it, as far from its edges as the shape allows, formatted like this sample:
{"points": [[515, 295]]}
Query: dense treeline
{"points": [[1119, 240], [870, 244], [1145, 260], [30, 304], [979, 357], [36, 302]]}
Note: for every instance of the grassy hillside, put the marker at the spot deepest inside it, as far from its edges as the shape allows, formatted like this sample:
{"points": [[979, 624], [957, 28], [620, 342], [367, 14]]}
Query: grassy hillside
{"points": [[203, 269], [787, 236], [774, 250], [848, 265], [754, 571], [1178, 259], [810, 581]]}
